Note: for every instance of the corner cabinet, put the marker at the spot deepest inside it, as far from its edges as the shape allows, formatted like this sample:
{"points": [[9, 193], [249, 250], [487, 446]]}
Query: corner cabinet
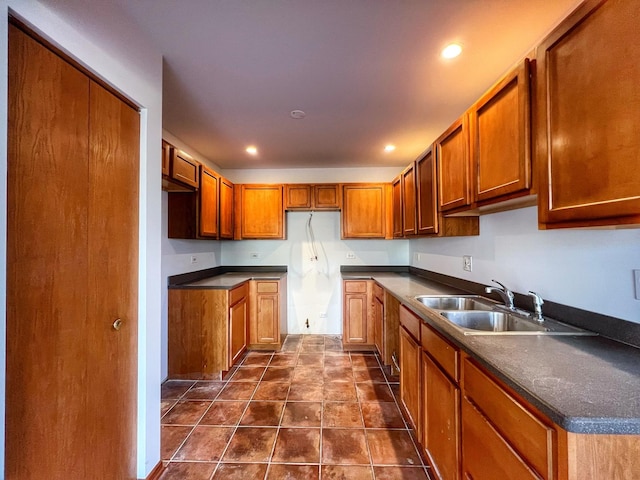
{"points": [[268, 314], [364, 210], [259, 212], [587, 142]]}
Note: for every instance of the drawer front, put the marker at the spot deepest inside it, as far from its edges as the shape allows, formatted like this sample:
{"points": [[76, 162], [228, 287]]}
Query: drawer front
{"points": [[534, 440], [485, 454], [184, 169], [355, 286], [238, 293], [378, 292], [267, 287], [411, 322], [445, 354]]}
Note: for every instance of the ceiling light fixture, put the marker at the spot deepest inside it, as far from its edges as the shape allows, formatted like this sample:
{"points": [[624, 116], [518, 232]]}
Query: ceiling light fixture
{"points": [[451, 51], [251, 150], [297, 114], [389, 148]]}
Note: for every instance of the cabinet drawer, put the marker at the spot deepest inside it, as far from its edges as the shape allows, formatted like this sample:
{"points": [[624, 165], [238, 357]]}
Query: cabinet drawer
{"points": [[411, 322], [445, 354], [485, 453], [534, 440], [238, 293], [267, 287], [351, 286]]}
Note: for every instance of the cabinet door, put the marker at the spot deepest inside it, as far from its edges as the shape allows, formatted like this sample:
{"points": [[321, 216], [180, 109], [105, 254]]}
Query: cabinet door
{"points": [[409, 201], [297, 197], [208, 203], [500, 131], [427, 205], [587, 142], [326, 197], [396, 196], [452, 157], [410, 378], [485, 454], [265, 315], [184, 169], [226, 208], [355, 318], [363, 210], [237, 330], [262, 211], [441, 420]]}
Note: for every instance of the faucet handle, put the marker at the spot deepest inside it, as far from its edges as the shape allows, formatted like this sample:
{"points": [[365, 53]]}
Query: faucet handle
{"points": [[537, 305]]}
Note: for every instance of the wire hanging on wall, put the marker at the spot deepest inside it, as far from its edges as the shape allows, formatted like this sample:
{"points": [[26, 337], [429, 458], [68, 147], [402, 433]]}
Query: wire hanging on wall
{"points": [[312, 239]]}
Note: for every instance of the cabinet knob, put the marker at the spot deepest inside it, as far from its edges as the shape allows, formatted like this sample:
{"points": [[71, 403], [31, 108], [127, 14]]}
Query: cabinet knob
{"points": [[117, 324]]}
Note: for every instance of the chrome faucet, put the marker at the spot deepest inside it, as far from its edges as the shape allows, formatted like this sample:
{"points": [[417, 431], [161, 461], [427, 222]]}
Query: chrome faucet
{"points": [[504, 292], [537, 306]]}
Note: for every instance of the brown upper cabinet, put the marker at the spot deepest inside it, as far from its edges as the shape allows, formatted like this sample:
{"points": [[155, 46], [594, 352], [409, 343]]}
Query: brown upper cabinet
{"points": [[409, 218], [500, 139], [396, 200], [415, 209], [364, 207], [226, 209], [452, 158], [587, 101], [179, 170], [260, 210], [312, 197], [200, 214]]}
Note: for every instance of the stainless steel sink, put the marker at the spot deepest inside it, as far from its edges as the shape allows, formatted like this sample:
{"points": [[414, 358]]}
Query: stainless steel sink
{"points": [[451, 302], [503, 323]]}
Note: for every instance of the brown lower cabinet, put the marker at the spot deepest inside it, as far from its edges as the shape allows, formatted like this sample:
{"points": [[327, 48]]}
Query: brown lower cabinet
{"points": [[357, 327], [410, 368], [207, 330], [268, 314], [378, 318]]}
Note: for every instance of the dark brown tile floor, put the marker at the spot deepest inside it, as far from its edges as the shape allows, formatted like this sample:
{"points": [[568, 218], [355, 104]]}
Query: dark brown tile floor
{"points": [[310, 411]]}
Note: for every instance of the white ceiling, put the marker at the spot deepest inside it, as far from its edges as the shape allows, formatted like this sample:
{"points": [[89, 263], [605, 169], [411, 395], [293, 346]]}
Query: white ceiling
{"points": [[366, 72]]}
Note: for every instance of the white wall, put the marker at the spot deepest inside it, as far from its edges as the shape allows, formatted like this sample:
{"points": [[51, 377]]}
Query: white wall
{"points": [[314, 286], [101, 38], [312, 175], [583, 268]]}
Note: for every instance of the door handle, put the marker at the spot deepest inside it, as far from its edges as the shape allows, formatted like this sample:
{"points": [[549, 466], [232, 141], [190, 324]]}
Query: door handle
{"points": [[117, 324]]}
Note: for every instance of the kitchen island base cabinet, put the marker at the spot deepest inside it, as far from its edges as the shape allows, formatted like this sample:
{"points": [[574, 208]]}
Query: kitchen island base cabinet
{"points": [[207, 331]]}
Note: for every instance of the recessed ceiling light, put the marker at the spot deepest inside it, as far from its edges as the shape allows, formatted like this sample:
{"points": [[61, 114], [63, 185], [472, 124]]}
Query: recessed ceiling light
{"points": [[451, 51], [389, 148], [251, 150]]}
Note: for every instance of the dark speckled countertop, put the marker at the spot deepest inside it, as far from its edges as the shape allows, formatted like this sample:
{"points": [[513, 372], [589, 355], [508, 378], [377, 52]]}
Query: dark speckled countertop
{"points": [[584, 384], [229, 280]]}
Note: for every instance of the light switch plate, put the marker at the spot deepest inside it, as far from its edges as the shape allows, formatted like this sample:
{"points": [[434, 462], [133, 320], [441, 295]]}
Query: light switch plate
{"points": [[636, 282]]}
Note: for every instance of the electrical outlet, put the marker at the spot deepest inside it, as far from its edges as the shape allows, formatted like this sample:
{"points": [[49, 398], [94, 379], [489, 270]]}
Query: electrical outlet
{"points": [[467, 264], [255, 255], [636, 281], [351, 256], [194, 259], [323, 315], [417, 257]]}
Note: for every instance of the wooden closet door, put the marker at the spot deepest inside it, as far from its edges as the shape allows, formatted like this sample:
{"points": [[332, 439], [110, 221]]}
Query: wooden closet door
{"points": [[48, 131], [113, 285]]}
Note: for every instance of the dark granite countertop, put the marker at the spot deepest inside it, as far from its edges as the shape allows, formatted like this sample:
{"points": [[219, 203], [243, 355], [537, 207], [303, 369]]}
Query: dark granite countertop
{"points": [[225, 278], [584, 384]]}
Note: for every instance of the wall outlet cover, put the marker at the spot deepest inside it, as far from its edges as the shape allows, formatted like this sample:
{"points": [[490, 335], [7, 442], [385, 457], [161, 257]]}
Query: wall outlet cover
{"points": [[194, 259], [351, 256], [467, 263], [636, 282], [255, 255]]}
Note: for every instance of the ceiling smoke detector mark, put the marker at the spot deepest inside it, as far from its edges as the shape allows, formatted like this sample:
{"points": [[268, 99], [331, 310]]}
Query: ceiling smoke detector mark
{"points": [[467, 264], [255, 255], [351, 256], [297, 114]]}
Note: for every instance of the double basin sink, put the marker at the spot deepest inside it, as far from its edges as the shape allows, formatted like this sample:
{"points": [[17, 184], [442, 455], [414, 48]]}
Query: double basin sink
{"points": [[475, 315]]}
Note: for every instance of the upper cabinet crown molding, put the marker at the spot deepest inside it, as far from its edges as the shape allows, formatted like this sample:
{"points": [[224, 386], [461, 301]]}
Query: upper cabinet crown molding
{"points": [[587, 101]]}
